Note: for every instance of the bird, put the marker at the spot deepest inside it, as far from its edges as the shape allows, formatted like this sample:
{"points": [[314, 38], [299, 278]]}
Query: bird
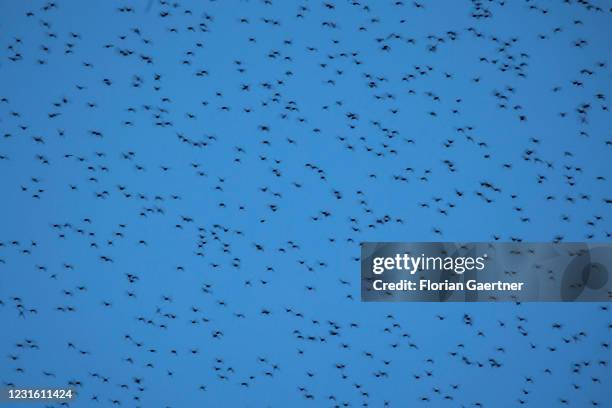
{"points": [[186, 186]]}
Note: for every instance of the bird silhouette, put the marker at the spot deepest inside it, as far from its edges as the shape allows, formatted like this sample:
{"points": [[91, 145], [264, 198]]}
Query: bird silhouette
{"points": [[185, 187]]}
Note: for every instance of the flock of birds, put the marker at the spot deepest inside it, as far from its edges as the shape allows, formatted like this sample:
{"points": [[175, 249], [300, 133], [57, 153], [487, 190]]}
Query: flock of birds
{"points": [[185, 186]]}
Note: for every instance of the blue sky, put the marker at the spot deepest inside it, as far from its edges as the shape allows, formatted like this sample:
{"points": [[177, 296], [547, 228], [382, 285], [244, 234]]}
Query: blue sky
{"points": [[281, 72]]}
